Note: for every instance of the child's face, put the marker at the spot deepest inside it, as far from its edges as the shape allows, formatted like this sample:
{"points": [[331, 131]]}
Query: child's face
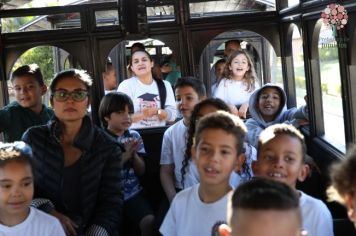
{"points": [[186, 98], [265, 223], [219, 71], [28, 91], [269, 102], [216, 156], [281, 159], [110, 81], [239, 66], [16, 189], [119, 121]]}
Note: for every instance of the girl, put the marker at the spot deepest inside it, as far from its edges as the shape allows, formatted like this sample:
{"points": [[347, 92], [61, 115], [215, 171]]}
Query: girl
{"points": [[239, 83], [153, 99], [115, 113], [76, 164], [189, 172]]}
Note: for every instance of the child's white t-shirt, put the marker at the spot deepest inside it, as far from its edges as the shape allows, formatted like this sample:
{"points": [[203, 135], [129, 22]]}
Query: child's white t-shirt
{"points": [[37, 223], [233, 92], [173, 149], [316, 216], [189, 216]]}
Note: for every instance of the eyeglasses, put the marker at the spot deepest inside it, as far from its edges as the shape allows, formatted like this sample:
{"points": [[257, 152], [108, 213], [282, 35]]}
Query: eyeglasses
{"points": [[76, 95]]}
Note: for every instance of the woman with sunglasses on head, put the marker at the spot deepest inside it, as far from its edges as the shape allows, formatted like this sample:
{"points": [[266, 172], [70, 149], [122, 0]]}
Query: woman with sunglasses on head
{"points": [[76, 164]]}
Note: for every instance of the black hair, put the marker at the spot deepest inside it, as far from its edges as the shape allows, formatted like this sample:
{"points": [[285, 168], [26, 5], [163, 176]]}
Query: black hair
{"points": [[82, 75], [343, 173], [264, 194], [192, 82], [220, 61], [113, 102], [32, 70], [223, 120], [137, 45], [273, 131], [232, 41], [15, 152], [215, 102]]}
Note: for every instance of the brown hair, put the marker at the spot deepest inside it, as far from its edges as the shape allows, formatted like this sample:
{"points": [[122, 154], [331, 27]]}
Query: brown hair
{"points": [[250, 75]]}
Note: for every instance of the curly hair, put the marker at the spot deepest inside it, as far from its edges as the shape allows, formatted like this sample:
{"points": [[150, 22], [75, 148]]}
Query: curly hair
{"points": [[250, 76]]}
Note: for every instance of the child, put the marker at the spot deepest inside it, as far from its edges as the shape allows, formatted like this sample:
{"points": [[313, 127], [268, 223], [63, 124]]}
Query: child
{"points": [[343, 178], [239, 83], [189, 91], [27, 110], [16, 192], [115, 113], [189, 171], [219, 74], [216, 152], [281, 156], [263, 207], [109, 77], [267, 107]]}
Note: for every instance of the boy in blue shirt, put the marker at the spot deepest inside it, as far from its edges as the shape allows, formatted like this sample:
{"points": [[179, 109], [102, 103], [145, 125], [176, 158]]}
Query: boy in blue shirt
{"points": [[27, 110]]}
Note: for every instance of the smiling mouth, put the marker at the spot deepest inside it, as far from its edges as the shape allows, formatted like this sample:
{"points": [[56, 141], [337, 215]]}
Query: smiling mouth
{"points": [[276, 175]]}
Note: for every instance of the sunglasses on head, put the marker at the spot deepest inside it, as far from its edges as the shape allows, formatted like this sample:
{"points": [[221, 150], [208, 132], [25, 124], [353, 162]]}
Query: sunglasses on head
{"points": [[76, 95]]}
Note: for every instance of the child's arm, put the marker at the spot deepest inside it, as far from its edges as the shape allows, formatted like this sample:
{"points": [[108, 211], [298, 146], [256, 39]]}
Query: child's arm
{"points": [[243, 110], [167, 180], [167, 166], [138, 164], [253, 133]]}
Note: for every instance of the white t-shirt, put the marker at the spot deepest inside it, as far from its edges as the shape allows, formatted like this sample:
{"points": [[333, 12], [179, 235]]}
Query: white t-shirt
{"points": [[233, 91], [173, 149], [316, 216], [144, 95], [189, 216], [37, 223]]}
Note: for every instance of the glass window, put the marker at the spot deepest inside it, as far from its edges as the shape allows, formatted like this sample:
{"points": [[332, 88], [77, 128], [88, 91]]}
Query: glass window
{"points": [[276, 68], [160, 13], [16, 4], [39, 23], [49, 59], [227, 7], [292, 3], [298, 65], [106, 18], [331, 88]]}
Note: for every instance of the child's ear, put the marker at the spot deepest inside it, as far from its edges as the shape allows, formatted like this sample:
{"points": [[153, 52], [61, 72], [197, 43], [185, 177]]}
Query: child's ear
{"points": [[106, 118], [255, 167], [304, 172], [349, 203], [43, 89], [240, 161], [224, 230]]}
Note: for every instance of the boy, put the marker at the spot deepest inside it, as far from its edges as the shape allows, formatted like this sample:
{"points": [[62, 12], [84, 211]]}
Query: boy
{"points": [[109, 77], [262, 207], [27, 110], [267, 107], [281, 156], [219, 74], [217, 151], [115, 113], [189, 91], [16, 192], [343, 178]]}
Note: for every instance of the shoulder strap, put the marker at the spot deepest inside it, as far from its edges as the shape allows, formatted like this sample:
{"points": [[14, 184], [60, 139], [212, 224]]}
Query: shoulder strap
{"points": [[162, 92]]}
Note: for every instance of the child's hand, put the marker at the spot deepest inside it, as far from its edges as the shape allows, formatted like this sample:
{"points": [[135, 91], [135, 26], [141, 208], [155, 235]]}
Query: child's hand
{"points": [[132, 144], [243, 110]]}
